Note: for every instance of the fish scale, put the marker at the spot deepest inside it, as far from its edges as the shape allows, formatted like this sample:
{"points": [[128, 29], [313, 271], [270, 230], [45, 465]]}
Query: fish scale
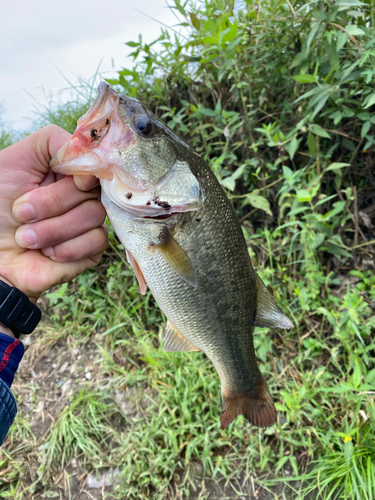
{"points": [[188, 247]]}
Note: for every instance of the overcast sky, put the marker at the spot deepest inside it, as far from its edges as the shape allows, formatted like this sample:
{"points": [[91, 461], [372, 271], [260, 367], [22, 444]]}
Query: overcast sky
{"points": [[42, 37]]}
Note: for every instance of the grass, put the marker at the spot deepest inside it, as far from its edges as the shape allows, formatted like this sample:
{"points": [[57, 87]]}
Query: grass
{"points": [[155, 415], [96, 391]]}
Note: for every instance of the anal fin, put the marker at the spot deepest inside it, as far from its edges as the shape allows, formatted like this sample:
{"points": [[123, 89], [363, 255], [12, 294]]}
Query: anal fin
{"points": [[175, 341], [138, 273], [268, 312], [176, 256]]}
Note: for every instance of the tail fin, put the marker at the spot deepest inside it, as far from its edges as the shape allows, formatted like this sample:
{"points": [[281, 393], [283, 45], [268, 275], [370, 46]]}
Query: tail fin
{"points": [[256, 406]]}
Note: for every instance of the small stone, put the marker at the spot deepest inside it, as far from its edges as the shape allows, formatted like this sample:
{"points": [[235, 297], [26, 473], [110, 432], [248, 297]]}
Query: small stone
{"points": [[27, 340], [88, 375], [105, 479], [64, 367]]}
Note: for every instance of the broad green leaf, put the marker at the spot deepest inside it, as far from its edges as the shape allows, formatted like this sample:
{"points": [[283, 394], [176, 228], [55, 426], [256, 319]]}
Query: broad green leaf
{"points": [[365, 128], [333, 55], [314, 29], [209, 39], [318, 240], [207, 111], [299, 59], [229, 183], [303, 195], [311, 143], [287, 172], [194, 21], [229, 34], [292, 147], [370, 377], [349, 3], [258, 201], [320, 105], [306, 78], [336, 166], [318, 130], [341, 40], [354, 30], [319, 14], [370, 101], [240, 170]]}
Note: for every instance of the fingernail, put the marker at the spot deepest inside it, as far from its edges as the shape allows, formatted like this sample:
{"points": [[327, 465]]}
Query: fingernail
{"points": [[48, 252], [86, 182], [25, 212], [26, 238]]}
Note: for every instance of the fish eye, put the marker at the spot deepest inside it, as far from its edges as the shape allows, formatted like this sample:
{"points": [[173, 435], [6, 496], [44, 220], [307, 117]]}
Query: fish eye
{"points": [[143, 125]]}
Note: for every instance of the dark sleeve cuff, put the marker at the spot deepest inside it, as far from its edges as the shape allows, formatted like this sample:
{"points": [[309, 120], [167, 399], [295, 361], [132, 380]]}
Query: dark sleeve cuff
{"points": [[11, 353]]}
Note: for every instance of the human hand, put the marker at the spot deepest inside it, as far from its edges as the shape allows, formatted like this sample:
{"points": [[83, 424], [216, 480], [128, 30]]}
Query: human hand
{"points": [[51, 228]]}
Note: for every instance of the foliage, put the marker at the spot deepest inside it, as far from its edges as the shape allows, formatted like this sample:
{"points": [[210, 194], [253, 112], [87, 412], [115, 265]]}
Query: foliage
{"points": [[279, 98]]}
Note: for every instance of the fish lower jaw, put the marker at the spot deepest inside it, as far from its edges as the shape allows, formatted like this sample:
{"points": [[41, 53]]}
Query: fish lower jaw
{"points": [[159, 217]]}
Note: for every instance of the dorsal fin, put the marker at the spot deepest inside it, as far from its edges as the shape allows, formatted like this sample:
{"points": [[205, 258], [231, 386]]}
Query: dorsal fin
{"points": [[268, 312], [175, 341], [176, 256], [138, 273]]}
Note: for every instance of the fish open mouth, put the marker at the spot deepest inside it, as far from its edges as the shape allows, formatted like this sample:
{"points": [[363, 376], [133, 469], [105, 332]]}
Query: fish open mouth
{"points": [[158, 217]]}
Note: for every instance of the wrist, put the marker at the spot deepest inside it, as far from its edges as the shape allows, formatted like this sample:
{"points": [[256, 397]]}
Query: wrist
{"points": [[7, 331], [18, 313], [4, 329], [31, 298]]}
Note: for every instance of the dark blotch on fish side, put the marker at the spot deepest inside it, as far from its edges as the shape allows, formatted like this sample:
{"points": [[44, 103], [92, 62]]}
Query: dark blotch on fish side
{"points": [[148, 203], [197, 219], [128, 195], [163, 204]]}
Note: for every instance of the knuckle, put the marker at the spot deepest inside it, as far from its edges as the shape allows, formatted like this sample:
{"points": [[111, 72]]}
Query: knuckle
{"points": [[64, 253], [94, 212]]}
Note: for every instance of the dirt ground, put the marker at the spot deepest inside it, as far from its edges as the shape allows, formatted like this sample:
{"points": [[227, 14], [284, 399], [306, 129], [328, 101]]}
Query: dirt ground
{"points": [[50, 377]]}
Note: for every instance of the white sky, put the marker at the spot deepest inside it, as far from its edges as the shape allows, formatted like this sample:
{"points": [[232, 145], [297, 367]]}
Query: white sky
{"points": [[38, 36]]}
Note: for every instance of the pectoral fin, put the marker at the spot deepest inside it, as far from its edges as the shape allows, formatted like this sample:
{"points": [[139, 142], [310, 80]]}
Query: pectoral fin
{"points": [[268, 312], [138, 273], [176, 257], [175, 341]]}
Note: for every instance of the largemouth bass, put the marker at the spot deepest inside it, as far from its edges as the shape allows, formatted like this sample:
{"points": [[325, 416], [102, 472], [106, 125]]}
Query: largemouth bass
{"points": [[184, 241]]}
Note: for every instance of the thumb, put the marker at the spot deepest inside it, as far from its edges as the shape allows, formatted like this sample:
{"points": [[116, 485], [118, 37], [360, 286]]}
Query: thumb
{"points": [[36, 151]]}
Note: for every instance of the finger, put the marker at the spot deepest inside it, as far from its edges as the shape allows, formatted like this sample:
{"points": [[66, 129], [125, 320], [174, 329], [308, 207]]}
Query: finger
{"points": [[92, 243], [53, 273], [86, 182], [37, 149], [50, 201], [51, 232]]}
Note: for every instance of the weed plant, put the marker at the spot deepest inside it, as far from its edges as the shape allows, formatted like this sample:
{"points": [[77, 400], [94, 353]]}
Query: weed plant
{"points": [[279, 98]]}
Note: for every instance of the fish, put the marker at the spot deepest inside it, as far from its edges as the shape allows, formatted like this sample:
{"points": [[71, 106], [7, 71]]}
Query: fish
{"points": [[183, 239]]}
